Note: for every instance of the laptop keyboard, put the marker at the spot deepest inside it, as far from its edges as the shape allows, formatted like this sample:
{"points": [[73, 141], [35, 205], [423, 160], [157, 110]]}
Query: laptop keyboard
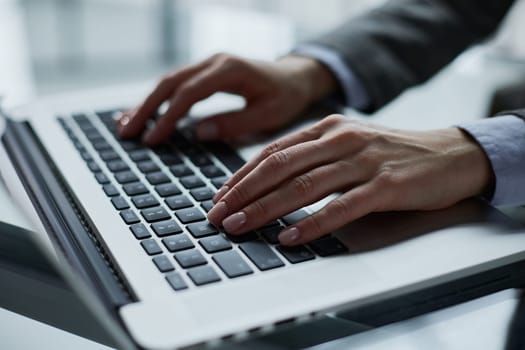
{"points": [[164, 193]]}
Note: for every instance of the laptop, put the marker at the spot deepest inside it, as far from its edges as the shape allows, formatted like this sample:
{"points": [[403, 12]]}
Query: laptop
{"points": [[126, 226]]}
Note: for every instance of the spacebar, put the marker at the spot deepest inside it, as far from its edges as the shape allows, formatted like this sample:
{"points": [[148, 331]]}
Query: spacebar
{"points": [[261, 255]]}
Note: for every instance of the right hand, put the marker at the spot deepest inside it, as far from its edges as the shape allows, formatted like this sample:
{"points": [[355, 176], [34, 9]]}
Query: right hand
{"points": [[275, 93]]}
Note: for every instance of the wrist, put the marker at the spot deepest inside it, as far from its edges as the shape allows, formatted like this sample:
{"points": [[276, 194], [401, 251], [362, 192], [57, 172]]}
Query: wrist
{"points": [[473, 164], [312, 77]]}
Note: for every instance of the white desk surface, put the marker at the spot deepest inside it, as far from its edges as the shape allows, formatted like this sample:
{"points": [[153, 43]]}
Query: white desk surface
{"points": [[461, 92]]}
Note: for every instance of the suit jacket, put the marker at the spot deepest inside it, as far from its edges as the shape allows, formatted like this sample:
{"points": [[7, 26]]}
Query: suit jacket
{"points": [[405, 42]]}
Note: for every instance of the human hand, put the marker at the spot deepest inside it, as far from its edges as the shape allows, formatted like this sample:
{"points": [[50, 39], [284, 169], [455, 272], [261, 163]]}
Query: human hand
{"points": [[275, 93], [375, 168]]}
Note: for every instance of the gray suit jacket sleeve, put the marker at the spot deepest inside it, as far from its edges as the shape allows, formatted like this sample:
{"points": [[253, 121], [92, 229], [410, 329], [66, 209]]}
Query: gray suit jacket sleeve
{"points": [[405, 42]]}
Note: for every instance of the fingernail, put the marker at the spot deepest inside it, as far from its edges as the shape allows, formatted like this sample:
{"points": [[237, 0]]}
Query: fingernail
{"points": [[234, 222], [207, 131], [289, 236], [124, 120], [218, 212], [220, 193]]}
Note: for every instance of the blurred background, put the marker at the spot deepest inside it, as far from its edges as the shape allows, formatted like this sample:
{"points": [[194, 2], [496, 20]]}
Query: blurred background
{"points": [[51, 46]]}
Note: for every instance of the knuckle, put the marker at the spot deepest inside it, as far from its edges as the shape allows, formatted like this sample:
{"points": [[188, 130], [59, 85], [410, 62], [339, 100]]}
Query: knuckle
{"points": [[229, 62], [340, 209], [270, 149], [313, 222], [386, 179], [237, 194], [218, 57], [258, 209], [277, 161], [332, 120], [303, 185], [187, 89]]}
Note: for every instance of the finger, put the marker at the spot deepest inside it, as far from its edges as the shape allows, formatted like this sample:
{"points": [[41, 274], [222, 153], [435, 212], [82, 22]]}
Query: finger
{"points": [[210, 80], [276, 146], [233, 124], [348, 207], [271, 172], [131, 124], [300, 191]]}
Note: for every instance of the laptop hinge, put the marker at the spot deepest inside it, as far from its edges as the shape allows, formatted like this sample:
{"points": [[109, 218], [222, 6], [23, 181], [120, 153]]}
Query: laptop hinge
{"points": [[61, 216]]}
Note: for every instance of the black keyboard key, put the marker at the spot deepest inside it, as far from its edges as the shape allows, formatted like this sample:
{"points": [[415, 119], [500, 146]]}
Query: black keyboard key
{"points": [[219, 181], [86, 156], [102, 178], [168, 189], [129, 145], [202, 229], [119, 203], [232, 264], [203, 275], [163, 263], [151, 247], [176, 282], [157, 178], [117, 165], [207, 205], [129, 217], [271, 234], [109, 155], [140, 231], [328, 245], [110, 190], [81, 119], [211, 171], [271, 224], [245, 237], [127, 176], [191, 150], [192, 181], [93, 166], [155, 214], [202, 194], [170, 159], [294, 217], [201, 160], [108, 117], [135, 188], [163, 149], [190, 258], [296, 254], [101, 145], [178, 202], [180, 170], [93, 135], [166, 228], [261, 255], [148, 166], [178, 242], [144, 201], [215, 244], [139, 156], [189, 215], [227, 155]]}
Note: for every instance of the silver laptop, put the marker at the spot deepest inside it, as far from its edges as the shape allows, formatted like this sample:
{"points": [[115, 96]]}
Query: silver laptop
{"points": [[127, 227]]}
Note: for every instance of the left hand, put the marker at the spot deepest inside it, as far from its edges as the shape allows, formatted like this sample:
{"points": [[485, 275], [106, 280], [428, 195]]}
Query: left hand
{"points": [[373, 167]]}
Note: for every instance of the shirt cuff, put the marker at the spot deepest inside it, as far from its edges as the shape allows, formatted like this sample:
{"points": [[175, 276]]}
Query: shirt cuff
{"points": [[354, 93], [503, 140]]}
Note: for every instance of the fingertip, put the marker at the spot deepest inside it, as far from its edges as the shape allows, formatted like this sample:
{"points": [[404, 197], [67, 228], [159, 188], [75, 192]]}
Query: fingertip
{"points": [[290, 236], [150, 138]]}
